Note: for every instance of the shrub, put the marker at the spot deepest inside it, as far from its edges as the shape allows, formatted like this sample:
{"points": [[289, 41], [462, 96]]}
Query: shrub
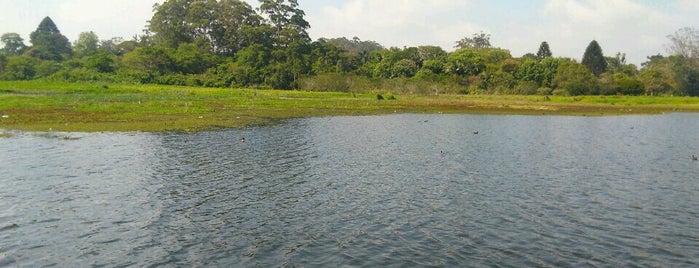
{"points": [[334, 82], [526, 88], [544, 91], [560, 92]]}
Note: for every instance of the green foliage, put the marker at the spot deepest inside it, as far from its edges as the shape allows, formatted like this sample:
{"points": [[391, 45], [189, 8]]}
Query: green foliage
{"points": [[102, 62], [594, 59], [656, 81], [332, 82], [46, 68], [465, 61], [86, 45], [395, 62], [477, 41], [575, 78], [499, 82], [287, 19], [542, 72], [20, 68], [431, 53], [629, 85], [228, 43], [151, 60], [3, 63], [13, 44], [355, 46], [526, 88], [191, 59], [224, 27], [48, 42], [404, 68], [544, 51], [494, 56]]}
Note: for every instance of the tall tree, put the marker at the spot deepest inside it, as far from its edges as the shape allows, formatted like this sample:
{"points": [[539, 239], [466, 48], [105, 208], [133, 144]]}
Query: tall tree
{"points": [[544, 51], [356, 45], [464, 62], [575, 78], [685, 42], [48, 42], [224, 26], [594, 59], [479, 40], [287, 19], [237, 26], [171, 23], [14, 44], [86, 45]]}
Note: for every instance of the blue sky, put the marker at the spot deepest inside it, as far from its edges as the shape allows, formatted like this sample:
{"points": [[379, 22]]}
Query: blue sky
{"points": [[635, 27]]}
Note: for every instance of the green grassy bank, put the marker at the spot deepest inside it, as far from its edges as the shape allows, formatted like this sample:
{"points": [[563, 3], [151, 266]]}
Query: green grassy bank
{"points": [[42, 106]]}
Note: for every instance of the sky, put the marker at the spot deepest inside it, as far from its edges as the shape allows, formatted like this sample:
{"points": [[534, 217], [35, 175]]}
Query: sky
{"points": [[638, 28]]}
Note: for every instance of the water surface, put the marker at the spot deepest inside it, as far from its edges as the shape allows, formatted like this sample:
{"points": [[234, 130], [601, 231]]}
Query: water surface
{"points": [[396, 191]]}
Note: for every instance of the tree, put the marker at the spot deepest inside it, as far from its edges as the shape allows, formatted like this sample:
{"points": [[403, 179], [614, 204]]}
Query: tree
{"points": [[86, 45], [464, 62], [102, 61], [685, 42], [48, 42], [431, 53], [540, 71], [146, 63], [575, 78], [684, 48], [14, 44], [236, 25], [356, 45], [594, 59], [169, 23], [544, 51], [479, 40], [287, 19], [224, 26], [617, 64], [20, 68]]}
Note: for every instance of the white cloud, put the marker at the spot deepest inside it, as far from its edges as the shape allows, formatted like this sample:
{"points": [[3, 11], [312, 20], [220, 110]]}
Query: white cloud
{"points": [[636, 27], [124, 18], [618, 25], [395, 22]]}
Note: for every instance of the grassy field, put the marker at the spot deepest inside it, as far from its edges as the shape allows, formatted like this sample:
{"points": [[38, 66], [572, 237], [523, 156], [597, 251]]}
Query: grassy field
{"points": [[43, 106]]}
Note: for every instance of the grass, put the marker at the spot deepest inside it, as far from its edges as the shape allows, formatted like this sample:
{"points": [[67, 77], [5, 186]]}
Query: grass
{"points": [[41, 106]]}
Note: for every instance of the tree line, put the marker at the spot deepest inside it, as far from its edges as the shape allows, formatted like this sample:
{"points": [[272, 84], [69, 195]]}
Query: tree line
{"points": [[229, 43]]}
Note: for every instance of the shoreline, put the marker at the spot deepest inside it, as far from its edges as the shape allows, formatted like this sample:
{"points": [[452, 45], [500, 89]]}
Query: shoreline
{"points": [[91, 107]]}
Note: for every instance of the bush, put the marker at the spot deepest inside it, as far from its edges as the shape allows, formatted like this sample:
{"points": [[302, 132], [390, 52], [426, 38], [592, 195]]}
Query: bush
{"points": [[526, 88], [630, 86], [545, 91], [20, 68], [560, 92], [81, 75], [335, 82]]}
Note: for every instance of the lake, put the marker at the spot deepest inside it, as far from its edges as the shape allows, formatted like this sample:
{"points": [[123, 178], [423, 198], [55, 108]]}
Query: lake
{"points": [[408, 190]]}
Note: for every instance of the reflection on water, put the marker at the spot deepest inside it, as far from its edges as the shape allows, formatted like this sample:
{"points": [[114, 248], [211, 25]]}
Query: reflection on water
{"points": [[399, 190]]}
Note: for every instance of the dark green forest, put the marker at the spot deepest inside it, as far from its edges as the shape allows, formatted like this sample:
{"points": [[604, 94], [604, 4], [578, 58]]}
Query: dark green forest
{"points": [[228, 43]]}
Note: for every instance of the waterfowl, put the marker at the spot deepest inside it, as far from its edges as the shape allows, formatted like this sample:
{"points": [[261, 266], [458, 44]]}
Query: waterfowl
{"points": [[242, 139], [694, 157], [475, 133]]}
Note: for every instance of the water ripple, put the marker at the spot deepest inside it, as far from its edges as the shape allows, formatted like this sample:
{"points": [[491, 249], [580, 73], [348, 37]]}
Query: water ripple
{"points": [[388, 191]]}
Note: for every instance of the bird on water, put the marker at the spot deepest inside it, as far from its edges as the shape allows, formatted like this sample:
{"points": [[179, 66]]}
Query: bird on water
{"points": [[694, 157]]}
